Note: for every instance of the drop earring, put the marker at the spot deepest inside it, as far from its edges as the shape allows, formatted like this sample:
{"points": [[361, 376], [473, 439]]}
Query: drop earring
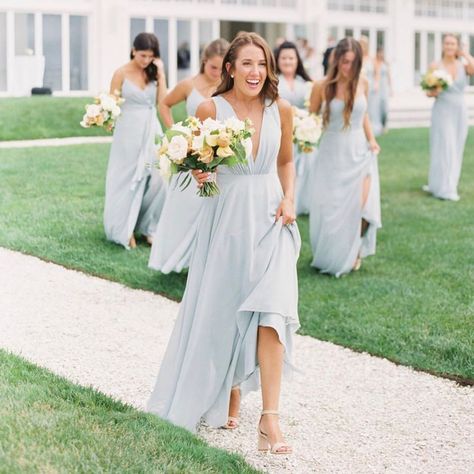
{"points": [[232, 76]]}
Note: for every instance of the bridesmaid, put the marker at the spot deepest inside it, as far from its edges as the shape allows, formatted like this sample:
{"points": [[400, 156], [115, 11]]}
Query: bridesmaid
{"points": [[174, 236], [449, 122], [294, 85], [382, 89], [134, 190], [239, 311], [345, 202]]}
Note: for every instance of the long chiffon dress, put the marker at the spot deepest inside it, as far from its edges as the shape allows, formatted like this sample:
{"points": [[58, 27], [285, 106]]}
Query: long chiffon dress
{"points": [[378, 103]]}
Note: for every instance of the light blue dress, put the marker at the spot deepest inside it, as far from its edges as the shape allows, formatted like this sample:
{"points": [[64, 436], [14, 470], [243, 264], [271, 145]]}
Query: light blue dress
{"points": [[378, 102], [134, 190], [242, 275], [174, 238], [303, 161], [448, 133], [344, 160]]}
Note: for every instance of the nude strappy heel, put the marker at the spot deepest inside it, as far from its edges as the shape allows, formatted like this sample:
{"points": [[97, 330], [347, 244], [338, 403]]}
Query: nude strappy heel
{"points": [[264, 443], [232, 421]]}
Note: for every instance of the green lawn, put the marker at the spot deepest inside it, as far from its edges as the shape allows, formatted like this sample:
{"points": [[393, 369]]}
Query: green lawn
{"points": [[412, 302], [27, 118], [51, 425]]}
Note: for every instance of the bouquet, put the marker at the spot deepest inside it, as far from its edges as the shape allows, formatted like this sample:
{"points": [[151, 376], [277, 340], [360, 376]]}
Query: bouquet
{"points": [[436, 80], [103, 112], [195, 145], [307, 129]]}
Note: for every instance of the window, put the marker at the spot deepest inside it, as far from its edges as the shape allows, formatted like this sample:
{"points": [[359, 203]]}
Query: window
{"points": [[430, 57], [205, 35], [348, 32], [184, 52], [417, 57], [137, 26], [3, 52], [368, 6], [381, 39], [52, 51], [160, 28], [24, 34], [78, 54]]}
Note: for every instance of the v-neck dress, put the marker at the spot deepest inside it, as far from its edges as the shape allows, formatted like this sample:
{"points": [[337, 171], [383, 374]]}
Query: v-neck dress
{"points": [[242, 276], [134, 190]]}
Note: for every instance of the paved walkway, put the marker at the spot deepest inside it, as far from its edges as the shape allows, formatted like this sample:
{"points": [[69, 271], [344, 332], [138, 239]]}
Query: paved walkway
{"points": [[345, 413]]}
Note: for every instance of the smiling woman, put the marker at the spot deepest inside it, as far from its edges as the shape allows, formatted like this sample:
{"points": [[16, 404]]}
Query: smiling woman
{"points": [[239, 312]]}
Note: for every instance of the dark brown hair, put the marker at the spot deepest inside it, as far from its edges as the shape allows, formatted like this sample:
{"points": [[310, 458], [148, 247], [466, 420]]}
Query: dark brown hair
{"points": [[330, 87], [215, 48], [270, 87], [300, 70], [147, 42]]}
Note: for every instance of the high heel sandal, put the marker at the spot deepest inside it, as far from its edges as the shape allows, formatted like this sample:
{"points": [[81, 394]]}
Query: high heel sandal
{"points": [[232, 421], [264, 442]]}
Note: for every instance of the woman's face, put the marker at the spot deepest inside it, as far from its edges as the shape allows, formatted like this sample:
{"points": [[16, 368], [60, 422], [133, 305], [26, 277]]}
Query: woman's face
{"points": [[346, 63], [143, 58], [288, 61], [213, 68], [250, 70], [450, 46]]}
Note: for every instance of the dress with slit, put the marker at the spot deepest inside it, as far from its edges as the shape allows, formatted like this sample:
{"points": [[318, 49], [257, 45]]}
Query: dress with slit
{"points": [[242, 276]]}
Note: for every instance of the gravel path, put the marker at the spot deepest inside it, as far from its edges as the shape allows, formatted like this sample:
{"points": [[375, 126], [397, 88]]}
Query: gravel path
{"points": [[347, 412], [54, 142]]}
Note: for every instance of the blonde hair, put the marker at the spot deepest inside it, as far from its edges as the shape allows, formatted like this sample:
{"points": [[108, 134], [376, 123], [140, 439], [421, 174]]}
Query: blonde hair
{"points": [[270, 87], [215, 48]]}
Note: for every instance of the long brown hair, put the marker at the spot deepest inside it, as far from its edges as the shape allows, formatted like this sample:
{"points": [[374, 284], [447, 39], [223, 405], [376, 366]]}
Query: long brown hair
{"points": [[270, 87], [215, 48], [147, 42], [330, 88]]}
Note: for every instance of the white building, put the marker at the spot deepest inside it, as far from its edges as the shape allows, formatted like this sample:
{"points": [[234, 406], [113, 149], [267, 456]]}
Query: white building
{"points": [[73, 46]]}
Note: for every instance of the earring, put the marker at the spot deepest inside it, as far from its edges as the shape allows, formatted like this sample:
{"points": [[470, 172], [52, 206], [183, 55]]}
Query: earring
{"points": [[232, 76]]}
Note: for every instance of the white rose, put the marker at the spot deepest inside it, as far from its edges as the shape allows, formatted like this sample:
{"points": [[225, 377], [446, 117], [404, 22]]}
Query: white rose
{"points": [[179, 127], [84, 122], [178, 148], [198, 142], [211, 125], [107, 102], [234, 124], [93, 110], [165, 167], [115, 111]]}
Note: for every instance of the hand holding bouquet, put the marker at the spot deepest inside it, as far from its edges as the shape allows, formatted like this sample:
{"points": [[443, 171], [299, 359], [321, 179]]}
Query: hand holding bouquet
{"points": [[195, 145], [103, 112], [436, 81], [307, 130]]}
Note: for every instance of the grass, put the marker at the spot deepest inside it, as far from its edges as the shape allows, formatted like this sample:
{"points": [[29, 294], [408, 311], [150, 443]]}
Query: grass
{"points": [[28, 118], [411, 303], [51, 425]]}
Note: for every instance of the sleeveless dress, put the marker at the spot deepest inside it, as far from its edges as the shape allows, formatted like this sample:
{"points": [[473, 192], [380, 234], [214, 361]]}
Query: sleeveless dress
{"points": [[174, 238], [344, 160], [134, 190], [303, 161], [448, 133], [378, 103], [242, 275]]}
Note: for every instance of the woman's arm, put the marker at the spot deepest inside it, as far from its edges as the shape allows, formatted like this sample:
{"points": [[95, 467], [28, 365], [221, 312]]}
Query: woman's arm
{"points": [[369, 134], [175, 96], [285, 164], [469, 62], [316, 98], [161, 81], [117, 82]]}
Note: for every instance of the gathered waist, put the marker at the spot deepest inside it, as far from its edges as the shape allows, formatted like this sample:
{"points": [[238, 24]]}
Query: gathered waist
{"points": [[226, 177]]}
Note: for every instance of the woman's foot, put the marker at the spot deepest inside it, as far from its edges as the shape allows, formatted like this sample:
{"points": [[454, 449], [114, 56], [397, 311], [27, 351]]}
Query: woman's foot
{"points": [[234, 408], [270, 437], [357, 264], [132, 243]]}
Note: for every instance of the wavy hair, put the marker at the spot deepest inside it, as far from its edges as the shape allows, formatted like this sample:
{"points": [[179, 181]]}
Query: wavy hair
{"points": [[330, 89], [300, 69], [270, 87], [215, 48], [147, 42]]}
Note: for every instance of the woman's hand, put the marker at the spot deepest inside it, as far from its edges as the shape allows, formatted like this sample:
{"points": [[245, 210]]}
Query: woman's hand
{"points": [[201, 177], [159, 65], [286, 210], [433, 92], [374, 146]]}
